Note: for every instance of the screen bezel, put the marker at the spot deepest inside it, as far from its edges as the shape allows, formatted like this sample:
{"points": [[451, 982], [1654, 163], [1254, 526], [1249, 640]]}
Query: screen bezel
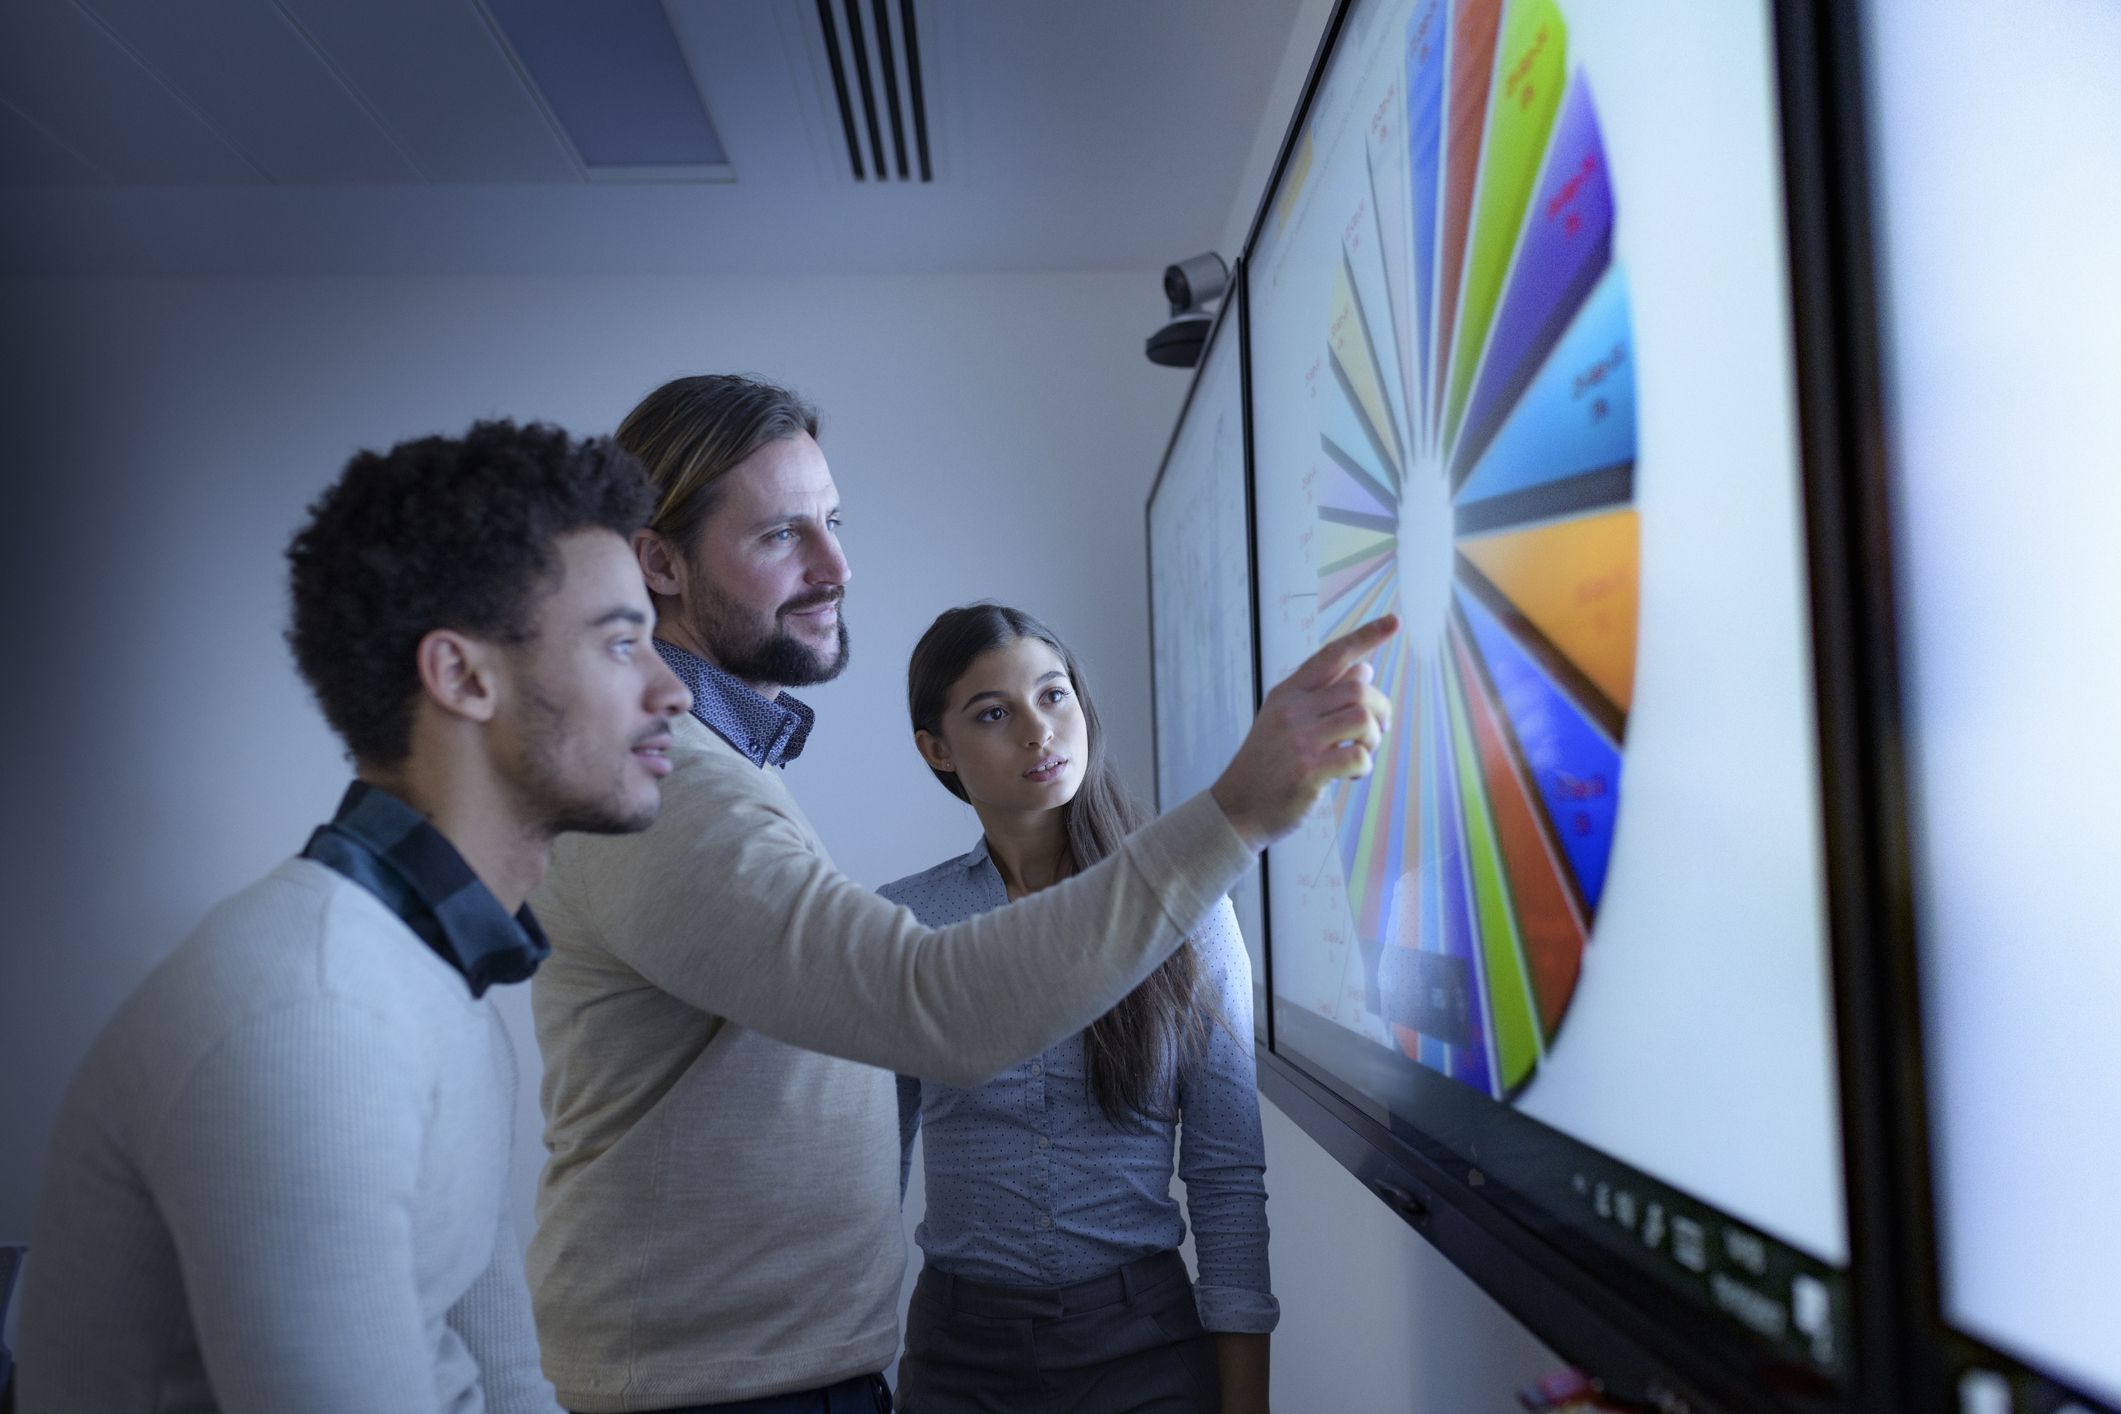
{"points": [[1226, 316], [1642, 1340], [1229, 315]]}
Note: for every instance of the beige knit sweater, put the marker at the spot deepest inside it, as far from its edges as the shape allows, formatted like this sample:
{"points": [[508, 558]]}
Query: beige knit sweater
{"points": [[720, 1019]]}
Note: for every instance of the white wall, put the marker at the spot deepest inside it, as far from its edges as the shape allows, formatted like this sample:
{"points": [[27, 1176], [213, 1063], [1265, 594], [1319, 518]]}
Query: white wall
{"points": [[991, 436]]}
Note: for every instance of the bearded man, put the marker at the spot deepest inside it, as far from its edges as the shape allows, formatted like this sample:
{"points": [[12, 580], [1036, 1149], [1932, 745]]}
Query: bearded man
{"points": [[718, 1222]]}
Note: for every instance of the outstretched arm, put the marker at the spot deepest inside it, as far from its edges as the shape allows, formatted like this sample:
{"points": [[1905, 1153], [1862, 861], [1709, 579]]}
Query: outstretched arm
{"points": [[727, 904]]}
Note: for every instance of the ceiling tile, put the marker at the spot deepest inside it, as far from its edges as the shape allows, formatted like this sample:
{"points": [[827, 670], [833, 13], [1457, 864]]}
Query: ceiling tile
{"points": [[437, 79], [613, 76], [1096, 135], [31, 157], [254, 76], [64, 72], [771, 124]]}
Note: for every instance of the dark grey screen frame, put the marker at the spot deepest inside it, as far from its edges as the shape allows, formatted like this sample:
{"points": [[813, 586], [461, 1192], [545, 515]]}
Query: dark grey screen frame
{"points": [[1228, 324]]}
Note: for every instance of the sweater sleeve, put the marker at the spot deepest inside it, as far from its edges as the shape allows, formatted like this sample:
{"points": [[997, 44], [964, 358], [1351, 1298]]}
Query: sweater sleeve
{"points": [[1221, 1155], [909, 1087], [286, 1170], [493, 1317], [729, 905], [494, 1321]]}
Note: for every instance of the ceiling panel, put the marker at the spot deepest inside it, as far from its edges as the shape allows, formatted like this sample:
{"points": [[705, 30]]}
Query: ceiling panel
{"points": [[764, 107], [1094, 135], [614, 77], [255, 77], [1121, 86], [65, 73], [31, 157], [437, 79]]}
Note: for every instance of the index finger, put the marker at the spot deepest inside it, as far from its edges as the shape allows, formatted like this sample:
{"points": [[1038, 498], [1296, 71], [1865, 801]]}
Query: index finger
{"points": [[1328, 663]]}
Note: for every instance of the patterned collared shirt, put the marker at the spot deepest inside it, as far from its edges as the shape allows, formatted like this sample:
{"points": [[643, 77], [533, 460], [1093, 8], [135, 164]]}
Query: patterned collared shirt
{"points": [[388, 848], [767, 731]]}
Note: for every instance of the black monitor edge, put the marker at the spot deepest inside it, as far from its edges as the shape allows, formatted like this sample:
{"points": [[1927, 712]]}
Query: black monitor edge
{"points": [[1834, 316]]}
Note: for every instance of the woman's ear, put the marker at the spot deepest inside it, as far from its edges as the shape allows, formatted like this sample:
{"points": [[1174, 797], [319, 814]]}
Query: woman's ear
{"points": [[934, 750]]}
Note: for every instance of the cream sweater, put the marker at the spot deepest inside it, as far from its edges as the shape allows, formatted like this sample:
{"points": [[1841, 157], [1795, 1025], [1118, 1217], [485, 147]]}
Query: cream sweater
{"points": [[720, 1019], [278, 1182]]}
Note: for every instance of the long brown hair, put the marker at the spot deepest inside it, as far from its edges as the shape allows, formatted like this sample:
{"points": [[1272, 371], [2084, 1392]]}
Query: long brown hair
{"points": [[691, 431], [1133, 1051]]}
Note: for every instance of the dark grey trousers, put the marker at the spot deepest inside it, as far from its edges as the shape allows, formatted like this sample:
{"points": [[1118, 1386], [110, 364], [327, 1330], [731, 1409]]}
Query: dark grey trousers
{"points": [[862, 1394], [1127, 1343]]}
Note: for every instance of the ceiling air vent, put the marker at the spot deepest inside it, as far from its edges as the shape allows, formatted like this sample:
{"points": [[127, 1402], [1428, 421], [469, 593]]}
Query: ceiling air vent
{"points": [[873, 52]]}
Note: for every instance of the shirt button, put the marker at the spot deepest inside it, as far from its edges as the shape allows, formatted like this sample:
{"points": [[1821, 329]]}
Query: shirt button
{"points": [[1038, 1068], [1045, 1222], [1044, 1142]]}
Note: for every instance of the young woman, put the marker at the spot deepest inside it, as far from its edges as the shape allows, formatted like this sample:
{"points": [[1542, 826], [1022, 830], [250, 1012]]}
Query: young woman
{"points": [[1052, 1279]]}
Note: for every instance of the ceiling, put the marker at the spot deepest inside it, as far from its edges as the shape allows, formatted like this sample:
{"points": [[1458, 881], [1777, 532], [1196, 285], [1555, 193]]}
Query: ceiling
{"points": [[436, 136]]}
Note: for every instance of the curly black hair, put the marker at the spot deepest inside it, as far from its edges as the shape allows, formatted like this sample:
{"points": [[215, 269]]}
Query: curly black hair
{"points": [[442, 532]]}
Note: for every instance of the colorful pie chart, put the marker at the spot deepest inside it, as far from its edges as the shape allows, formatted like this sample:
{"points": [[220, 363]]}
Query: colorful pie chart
{"points": [[1478, 480]]}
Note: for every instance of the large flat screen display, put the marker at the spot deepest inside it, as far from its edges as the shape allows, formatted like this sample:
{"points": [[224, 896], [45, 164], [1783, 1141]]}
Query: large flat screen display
{"points": [[1999, 218], [1200, 602], [1522, 373]]}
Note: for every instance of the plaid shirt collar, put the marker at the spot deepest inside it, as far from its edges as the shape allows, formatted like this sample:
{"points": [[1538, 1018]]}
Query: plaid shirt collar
{"points": [[766, 731], [386, 847]]}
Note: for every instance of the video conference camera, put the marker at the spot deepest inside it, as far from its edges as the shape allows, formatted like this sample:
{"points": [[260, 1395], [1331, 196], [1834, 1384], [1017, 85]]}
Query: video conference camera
{"points": [[1189, 285]]}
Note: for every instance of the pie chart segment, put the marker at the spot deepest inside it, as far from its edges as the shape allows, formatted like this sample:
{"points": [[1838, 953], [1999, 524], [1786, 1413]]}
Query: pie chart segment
{"points": [[1348, 488], [1371, 824], [1343, 546], [1470, 1064], [1355, 362], [1424, 930], [1575, 764], [1568, 242], [1402, 841], [1425, 63], [1577, 415], [1380, 278], [1550, 929], [1474, 27], [1508, 991], [1575, 581], [1527, 95]]}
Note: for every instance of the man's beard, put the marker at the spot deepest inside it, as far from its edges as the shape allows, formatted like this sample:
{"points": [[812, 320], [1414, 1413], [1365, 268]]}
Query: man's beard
{"points": [[774, 657], [542, 788]]}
